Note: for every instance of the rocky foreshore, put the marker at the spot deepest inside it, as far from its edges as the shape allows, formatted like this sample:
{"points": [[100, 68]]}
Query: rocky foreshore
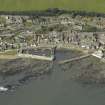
{"points": [[86, 71], [16, 72]]}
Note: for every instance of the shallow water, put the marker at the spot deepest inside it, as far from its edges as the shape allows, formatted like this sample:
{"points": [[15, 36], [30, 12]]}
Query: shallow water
{"points": [[55, 89]]}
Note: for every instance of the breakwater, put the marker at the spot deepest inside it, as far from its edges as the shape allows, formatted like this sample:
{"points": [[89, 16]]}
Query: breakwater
{"points": [[74, 59], [50, 58]]}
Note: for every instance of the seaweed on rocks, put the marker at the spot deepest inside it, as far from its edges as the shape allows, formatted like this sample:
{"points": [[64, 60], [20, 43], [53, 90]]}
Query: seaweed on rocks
{"points": [[19, 71], [87, 71]]}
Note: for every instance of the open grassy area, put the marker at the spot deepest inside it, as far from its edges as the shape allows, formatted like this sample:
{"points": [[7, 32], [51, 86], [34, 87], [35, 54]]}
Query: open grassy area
{"points": [[17, 5], [9, 54]]}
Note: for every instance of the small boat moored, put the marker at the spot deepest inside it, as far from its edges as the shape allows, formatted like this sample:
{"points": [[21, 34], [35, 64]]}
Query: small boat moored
{"points": [[98, 54], [3, 89]]}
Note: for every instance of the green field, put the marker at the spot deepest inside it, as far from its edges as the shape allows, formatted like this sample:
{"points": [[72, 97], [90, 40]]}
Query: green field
{"points": [[17, 5]]}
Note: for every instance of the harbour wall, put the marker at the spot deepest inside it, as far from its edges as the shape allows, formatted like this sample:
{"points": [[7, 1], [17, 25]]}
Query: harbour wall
{"points": [[36, 57]]}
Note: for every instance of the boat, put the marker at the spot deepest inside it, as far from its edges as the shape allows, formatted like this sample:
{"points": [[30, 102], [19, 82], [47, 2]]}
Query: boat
{"points": [[3, 89], [98, 54]]}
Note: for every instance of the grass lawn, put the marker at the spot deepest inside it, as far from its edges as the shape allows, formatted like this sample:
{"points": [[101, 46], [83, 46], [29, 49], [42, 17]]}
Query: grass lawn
{"points": [[10, 54], [21, 5]]}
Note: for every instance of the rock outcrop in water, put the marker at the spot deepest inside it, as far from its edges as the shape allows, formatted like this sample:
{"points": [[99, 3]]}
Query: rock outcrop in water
{"points": [[18, 71], [86, 71]]}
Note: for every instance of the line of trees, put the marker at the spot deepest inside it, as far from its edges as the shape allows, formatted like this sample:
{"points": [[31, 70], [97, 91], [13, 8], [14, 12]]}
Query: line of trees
{"points": [[53, 12]]}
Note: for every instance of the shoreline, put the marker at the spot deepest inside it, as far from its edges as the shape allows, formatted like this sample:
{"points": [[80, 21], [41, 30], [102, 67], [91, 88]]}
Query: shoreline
{"points": [[31, 69], [37, 57]]}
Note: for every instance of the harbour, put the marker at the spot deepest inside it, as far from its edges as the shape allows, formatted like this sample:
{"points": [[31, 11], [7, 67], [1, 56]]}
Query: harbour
{"points": [[59, 86]]}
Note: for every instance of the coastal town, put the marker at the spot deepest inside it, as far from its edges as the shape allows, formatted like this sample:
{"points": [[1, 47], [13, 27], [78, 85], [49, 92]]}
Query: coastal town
{"points": [[34, 45], [25, 35], [52, 52]]}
